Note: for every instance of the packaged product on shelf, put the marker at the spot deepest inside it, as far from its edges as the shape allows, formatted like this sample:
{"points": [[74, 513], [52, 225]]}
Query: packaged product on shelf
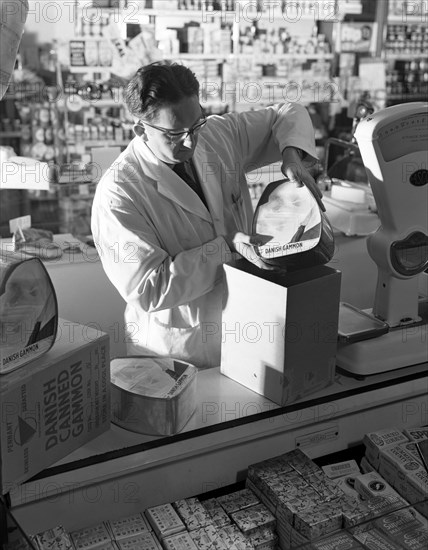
{"points": [[373, 485], [412, 450], [338, 541], [145, 541], [164, 520], [347, 485], [127, 526], [318, 520], [91, 537], [397, 525], [253, 518], [397, 461], [296, 538], [234, 539], [292, 465], [323, 486], [270, 504], [354, 511], [357, 512], [288, 487], [218, 516], [283, 530], [267, 468], [263, 539], [377, 441], [238, 500], [179, 541], [365, 466], [416, 434], [53, 539], [341, 469], [376, 540], [418, 491], [192, 513], [111, 545], [208, 537]]}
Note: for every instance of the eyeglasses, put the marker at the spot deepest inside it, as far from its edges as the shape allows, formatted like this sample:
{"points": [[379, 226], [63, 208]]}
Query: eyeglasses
{"points": [[175, 137]]}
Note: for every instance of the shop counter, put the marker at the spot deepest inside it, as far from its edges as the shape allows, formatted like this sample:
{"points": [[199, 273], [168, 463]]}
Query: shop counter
{"points": [[120, 472]]}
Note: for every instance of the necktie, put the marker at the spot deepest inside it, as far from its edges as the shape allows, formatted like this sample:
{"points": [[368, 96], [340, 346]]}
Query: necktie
{"points": [[188, 174]]}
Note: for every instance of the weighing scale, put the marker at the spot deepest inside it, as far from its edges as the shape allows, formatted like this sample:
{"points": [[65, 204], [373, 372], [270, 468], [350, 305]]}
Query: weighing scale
{"points": [[394, 147]]}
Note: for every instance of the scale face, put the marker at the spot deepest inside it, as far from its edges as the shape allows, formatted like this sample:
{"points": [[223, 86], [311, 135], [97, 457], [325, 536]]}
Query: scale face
{"points": [[404, 137], [394, 147]]}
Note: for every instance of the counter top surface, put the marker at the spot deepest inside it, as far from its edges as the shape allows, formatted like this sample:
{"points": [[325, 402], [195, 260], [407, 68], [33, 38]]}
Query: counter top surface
{"points": [[223, 403]]}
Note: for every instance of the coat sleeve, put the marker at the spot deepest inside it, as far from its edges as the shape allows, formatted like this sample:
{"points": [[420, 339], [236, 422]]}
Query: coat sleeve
{"points": [[259, 137], [138, 266]]}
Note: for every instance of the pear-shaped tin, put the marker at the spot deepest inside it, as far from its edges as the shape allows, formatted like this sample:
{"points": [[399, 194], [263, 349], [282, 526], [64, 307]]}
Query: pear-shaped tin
{"points": [[295, 233]]}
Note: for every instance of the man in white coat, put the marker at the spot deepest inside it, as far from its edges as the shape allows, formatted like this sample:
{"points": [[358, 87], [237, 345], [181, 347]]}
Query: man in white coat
{"points": [[175, 206]]}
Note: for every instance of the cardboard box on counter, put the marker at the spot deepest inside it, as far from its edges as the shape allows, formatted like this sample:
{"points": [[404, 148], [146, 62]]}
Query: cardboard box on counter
{"points": [[54, 404], [280, 329]]}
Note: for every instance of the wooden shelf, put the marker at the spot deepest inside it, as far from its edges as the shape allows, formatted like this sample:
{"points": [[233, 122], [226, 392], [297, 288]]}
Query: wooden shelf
{"points": [[11, 134], [95, 69], [404, 56], [187, 13], [185, 55], [247, 15], [407, 97], [283, 56], [101, 143], [405, 19]]}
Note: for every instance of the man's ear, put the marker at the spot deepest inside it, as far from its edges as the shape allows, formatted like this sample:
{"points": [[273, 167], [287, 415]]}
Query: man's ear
{"points": [[140, 131]]}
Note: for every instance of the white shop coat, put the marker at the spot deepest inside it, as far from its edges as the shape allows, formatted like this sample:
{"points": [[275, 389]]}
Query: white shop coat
{"points": [[164, 250]]}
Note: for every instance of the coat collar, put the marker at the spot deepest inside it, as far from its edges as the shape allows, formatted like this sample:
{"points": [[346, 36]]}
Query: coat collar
{"points": [[174, 188]]}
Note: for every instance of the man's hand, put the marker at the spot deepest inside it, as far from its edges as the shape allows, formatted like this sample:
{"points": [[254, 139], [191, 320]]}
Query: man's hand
{"points": [[245, 244], [293, 168]]}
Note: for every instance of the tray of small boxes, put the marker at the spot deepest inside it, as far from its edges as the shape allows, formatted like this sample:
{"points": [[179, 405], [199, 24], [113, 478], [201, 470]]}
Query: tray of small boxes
{"points": [[288, 502]]}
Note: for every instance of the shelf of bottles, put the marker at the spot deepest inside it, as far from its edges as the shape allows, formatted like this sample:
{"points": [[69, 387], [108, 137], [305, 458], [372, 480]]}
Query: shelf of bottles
{"points": [[406, 46]]}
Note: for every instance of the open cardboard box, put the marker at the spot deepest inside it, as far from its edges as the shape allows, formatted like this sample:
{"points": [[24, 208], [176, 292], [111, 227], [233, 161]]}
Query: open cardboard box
{"points": [[280, 329]]}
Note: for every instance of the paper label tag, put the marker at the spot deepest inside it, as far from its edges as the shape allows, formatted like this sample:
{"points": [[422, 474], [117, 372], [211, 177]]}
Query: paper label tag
{"points": [[23, 222]]}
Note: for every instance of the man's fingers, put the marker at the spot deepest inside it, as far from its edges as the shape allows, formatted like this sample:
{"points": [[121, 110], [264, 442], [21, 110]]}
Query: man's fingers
{"points": [[260, 240], [302, 177], [247, 251]]}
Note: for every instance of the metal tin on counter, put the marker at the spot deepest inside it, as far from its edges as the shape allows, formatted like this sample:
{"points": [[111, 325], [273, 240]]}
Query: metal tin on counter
{"points": [[152, 395]]}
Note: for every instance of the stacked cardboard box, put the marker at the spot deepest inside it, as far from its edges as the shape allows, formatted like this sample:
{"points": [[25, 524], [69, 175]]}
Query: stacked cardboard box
{"points": [[289, 502], [235, 521], [313, 511], [394, 455]]}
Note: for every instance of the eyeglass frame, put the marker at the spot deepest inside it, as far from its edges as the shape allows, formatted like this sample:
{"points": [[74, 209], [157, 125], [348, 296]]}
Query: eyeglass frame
{"points": [[177, 136]]}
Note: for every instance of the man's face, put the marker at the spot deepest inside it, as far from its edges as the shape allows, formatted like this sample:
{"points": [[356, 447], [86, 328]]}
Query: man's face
{"points": [[165, 140]]}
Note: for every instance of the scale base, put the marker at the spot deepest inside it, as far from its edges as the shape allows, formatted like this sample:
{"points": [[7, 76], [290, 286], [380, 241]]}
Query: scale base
{"points": [[400, 347]]}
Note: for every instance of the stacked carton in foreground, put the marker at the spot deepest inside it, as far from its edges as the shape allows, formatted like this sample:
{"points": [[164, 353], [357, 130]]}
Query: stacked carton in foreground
{"points": [[352, 511], [289, 502]]}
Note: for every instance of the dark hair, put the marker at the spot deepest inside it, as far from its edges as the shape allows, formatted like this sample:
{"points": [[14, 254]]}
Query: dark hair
{"points": [[158, 84]]}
